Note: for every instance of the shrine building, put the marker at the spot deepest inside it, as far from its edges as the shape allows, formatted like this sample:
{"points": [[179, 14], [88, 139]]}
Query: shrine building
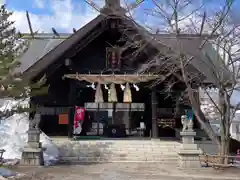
{"points": [[94, 69]]}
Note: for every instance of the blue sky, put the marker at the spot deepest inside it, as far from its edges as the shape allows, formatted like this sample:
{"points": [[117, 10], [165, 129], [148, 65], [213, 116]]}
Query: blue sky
{"points": [[67, 14]]}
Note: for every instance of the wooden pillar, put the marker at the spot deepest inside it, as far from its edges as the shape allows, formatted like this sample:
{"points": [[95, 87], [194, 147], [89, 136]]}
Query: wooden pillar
{"points": [[71, 109], [154, 113]]}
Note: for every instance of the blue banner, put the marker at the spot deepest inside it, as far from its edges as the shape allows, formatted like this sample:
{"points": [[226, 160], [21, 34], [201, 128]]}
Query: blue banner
{"points": [[189, 114]]}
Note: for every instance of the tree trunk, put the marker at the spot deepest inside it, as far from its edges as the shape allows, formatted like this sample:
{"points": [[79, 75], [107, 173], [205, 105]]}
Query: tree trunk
{"points": [[224, 105], [224, 151]]}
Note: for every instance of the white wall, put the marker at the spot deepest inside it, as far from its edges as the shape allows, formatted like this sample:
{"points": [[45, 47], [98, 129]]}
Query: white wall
{"points": [[235, 127]]}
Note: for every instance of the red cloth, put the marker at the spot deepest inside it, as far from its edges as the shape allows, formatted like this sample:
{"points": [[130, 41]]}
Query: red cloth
{"points": [[79, 115]]}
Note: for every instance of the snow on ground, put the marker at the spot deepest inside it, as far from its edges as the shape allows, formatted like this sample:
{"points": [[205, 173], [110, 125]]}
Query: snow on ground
{"points": [[10, 104], [13, 137]]}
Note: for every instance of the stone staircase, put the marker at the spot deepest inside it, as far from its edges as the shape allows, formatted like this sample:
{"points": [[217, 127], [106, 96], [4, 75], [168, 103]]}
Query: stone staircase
{"points": [[119, 150]]}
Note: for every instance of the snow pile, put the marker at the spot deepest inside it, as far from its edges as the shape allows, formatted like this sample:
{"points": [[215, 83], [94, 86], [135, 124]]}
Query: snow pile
{"points": [[13, 138], [10, 104]]}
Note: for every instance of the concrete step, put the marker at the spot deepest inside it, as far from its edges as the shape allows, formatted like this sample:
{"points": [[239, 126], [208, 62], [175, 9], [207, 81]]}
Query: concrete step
{"points": [[129, 151], [146, 157], [119, 145], [122, 144], [119, 151], [140, 155], [112, 143], [161, 150], [115, 159], [121, 155]]}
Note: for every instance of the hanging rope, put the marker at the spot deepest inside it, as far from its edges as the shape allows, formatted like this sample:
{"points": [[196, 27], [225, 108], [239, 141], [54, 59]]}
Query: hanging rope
{"points": [[116, 78], [99, 94], [112, 94], [127, 96]]}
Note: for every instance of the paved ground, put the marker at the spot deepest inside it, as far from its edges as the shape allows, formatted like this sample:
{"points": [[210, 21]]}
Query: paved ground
{"points": [[124, 171]]}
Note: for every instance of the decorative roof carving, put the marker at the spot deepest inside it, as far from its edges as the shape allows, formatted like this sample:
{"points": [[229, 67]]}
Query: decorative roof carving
{"points": [[113, 7]]}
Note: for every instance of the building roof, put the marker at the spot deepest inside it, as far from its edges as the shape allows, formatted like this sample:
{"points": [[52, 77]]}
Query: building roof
{"points": [[206, 60], [44, 50], [37, 49]]}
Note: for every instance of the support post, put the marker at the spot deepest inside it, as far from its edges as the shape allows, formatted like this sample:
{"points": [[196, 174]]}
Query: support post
{"points": [[97, 116], [126, 121], [71, 110], [70, 121], [154, 113]]}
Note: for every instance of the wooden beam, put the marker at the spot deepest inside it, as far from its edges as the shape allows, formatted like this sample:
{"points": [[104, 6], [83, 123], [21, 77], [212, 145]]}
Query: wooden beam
{"points": [[112, 78]]}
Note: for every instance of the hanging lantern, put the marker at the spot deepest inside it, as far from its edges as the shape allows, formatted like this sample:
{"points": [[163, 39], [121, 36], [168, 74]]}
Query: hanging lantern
{"points": [[127, 95], [112, 94], [99, 94]]}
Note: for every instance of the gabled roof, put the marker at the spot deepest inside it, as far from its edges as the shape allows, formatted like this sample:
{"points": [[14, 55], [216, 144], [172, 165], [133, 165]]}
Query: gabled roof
{"points": [[43, 52], [37, 48], [43, 59], [206, 60]]}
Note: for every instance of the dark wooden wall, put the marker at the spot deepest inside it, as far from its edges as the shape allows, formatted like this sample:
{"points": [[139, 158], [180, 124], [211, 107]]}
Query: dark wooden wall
{"points": [[92, 59]]}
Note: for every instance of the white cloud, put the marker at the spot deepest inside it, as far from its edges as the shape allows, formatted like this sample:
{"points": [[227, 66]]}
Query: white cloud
{"points": [[2, 2], [39, 3], [64, 16]]}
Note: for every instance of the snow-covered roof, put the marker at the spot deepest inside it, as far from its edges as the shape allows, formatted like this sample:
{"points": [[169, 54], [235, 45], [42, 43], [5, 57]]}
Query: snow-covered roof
{"points": [[37, 48]]}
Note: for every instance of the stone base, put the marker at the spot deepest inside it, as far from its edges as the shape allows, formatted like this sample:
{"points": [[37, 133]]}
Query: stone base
{"points": [[34, 145], [189, 159], [34, 135], [189, 156], [189, 146], [32, 157], [189, 152], [188, 133], [188, 137]]}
